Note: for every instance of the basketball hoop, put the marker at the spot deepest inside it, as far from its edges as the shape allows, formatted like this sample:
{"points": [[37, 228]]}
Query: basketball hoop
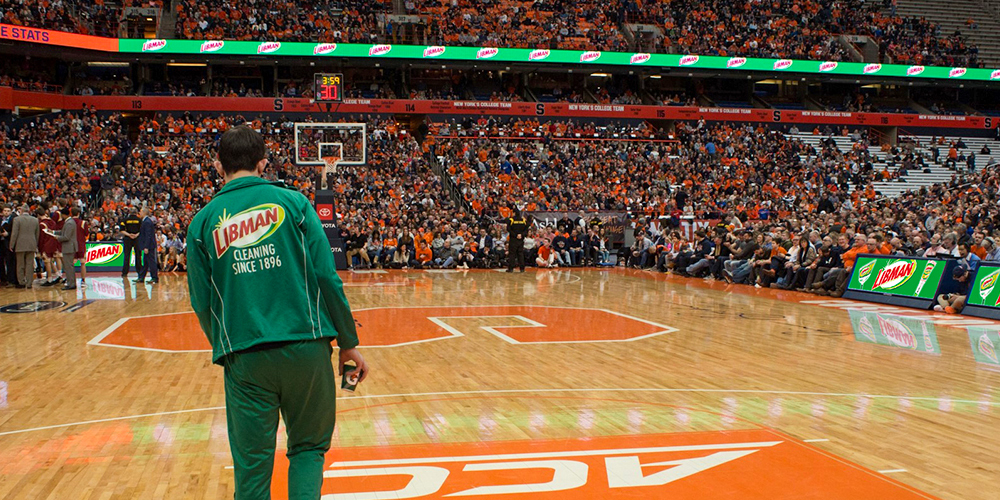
{"points": [[331, 154], [329, 167]]}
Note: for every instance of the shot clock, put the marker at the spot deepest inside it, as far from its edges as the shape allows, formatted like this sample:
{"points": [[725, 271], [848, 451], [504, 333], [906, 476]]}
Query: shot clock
{"points": [[328, 87]]}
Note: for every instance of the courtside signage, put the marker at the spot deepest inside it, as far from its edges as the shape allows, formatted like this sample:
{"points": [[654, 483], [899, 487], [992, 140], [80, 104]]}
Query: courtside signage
{"points": [[916, 278], [106, 255], [985, 291], [910, 334]]}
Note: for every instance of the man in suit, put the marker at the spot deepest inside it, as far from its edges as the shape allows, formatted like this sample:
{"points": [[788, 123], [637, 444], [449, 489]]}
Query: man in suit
{"points": [[147, 243], [69, 246], [24, 234], [6, 256]]}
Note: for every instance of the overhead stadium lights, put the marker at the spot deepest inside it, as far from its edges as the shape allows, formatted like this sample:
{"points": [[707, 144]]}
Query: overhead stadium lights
{"points": [[108, 64], [600, 75]]}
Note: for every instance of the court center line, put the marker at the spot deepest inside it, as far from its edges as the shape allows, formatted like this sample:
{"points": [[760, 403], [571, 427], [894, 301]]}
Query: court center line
{"points": [[113, 419], [891, 471], [532, 391]]}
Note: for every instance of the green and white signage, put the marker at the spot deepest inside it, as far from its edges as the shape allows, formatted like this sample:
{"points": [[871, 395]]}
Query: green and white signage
{"points": [[550, 56], [985, 291], [906, 277]]}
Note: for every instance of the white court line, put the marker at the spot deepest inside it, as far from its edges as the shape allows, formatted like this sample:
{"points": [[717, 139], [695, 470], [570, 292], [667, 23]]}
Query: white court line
{"points": [[113, 419], [536, 391], [107, 331], [815, 440], [891, 471]]}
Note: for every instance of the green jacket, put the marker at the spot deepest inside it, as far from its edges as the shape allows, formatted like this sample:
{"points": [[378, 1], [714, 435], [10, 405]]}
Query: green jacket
{"points": [[260, 270]]}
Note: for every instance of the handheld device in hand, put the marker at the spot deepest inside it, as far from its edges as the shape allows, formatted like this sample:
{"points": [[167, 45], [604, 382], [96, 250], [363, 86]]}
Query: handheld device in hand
{"points": [[350, 378]]}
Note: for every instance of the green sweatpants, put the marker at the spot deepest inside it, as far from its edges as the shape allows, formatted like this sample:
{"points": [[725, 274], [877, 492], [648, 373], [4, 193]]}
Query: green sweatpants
{"points": [[298, 380]]}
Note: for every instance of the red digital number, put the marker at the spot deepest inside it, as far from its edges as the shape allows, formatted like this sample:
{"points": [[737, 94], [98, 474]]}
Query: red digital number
{"points": [[329, 93]]}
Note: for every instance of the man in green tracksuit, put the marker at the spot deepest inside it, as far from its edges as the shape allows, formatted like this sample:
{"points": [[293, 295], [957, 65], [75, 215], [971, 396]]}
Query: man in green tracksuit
{"points": [[263, 284]]}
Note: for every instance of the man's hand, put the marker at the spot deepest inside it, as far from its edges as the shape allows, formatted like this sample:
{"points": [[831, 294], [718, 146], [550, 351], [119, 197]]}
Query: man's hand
{"points": [[145, 251], [359, 360]]}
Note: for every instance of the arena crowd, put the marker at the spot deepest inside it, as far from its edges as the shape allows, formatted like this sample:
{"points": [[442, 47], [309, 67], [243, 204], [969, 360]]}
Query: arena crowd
{"points": [[788, 214]]}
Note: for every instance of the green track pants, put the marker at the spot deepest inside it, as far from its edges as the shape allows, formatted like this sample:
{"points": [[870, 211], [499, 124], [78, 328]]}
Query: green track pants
{"points": [[298, 380]]}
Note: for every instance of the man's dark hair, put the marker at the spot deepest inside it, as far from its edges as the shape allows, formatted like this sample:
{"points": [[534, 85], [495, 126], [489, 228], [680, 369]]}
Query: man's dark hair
{"points": [[240, 148], [75, 211]]}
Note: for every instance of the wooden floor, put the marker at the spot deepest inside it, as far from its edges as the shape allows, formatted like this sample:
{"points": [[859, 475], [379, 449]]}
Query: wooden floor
{"points": [[545, 385]]}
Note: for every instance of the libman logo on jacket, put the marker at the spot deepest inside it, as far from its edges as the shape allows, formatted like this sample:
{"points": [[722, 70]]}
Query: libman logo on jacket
{"points": [[894, 275], [247, 228], [103, 253], [865, 272], [987, 284]]}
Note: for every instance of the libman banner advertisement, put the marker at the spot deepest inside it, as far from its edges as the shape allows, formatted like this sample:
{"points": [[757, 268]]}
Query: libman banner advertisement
{"points": [[906, 277], [985, 343], [548, 56], [912, 334], [106, 255], [985, 291]]}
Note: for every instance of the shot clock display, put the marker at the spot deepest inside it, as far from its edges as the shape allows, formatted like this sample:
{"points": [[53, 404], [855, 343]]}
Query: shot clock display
{"points": [[328, 87]]}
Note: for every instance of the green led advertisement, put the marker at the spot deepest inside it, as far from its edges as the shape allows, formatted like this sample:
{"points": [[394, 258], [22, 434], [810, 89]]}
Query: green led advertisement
{"points": [[548, 56], [913, 334], [985, 291], [915, 278], [106, 254], [984, 345]]}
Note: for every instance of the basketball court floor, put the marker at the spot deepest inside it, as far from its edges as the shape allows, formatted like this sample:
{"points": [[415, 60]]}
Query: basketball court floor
{"points": [[582, 384]]}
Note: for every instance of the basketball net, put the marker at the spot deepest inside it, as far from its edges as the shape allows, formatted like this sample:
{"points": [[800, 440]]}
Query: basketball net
{"points": [[329, 167]]}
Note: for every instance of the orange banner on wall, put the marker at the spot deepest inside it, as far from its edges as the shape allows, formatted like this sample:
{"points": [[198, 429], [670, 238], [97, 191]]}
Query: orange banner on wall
{"points": [[61, 38], [489, 108]]}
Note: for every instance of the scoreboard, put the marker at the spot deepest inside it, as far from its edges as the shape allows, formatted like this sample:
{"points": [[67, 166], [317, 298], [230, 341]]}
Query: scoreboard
{"points": [[328, 87]]}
